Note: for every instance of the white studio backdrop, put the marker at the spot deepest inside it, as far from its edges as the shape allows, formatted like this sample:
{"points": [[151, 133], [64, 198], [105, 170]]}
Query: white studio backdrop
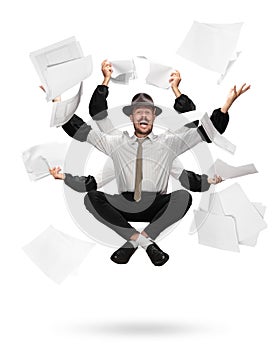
{"points": [[203, 297]]}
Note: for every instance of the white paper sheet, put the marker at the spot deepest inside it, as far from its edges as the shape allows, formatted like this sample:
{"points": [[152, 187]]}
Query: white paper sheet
{"points": [[215, 204], [216, 231], [253, 241], [211, 46], [123, 71], [159, 75], [215, 208], [63, 111], [215, 136], [62, 51], [248, 220], [230, 64], [48, 63], [64, 76], [38, 159], [227, 171], [56, 253]]}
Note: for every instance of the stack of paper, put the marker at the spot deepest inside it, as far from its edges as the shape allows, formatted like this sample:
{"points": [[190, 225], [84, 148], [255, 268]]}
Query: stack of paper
{"points": [[230, 220], [212, 46], [61, 66], [56, 253], [38, 159], [123, 71]]}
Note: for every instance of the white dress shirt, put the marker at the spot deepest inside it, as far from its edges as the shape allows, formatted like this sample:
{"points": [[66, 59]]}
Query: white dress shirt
{"points": [[159, 152]]}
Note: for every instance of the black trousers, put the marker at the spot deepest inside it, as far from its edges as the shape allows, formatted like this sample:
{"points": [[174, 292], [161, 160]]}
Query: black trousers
{"points": [[160, 210]]}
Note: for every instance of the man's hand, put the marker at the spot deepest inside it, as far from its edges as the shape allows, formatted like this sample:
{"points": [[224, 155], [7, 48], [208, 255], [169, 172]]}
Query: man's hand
{"points": [[214, 180], [107, 71], [233, 95], [175, 79], [56, 99], [55, 172]]}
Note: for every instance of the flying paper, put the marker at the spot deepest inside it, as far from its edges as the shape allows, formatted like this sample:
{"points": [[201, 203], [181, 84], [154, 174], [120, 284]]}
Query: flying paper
{"points": [[56, 253], [63, 110], [61, 66], [38, 159], [212, 46], [123, 71], [159, 75]]}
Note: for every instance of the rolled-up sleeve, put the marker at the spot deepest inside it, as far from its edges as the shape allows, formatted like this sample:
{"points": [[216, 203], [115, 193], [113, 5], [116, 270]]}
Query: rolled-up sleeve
{"points": [[220, 121], [184, 104], [194, 182], [98, 103], [80, 183], [77, 128]]}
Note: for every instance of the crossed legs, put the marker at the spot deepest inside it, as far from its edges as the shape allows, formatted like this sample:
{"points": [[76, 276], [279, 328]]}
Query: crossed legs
{"points": [[160, 210]]}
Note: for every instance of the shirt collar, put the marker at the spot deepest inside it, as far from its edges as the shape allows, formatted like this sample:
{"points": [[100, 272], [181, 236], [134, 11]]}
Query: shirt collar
{"points": [[152, 137]]}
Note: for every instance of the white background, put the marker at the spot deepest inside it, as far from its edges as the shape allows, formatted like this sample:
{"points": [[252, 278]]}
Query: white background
{"points": [[203, 298]]}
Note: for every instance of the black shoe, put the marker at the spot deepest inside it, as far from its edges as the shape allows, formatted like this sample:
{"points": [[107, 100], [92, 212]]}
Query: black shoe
{"points": [[123, 254], [157, 256]]}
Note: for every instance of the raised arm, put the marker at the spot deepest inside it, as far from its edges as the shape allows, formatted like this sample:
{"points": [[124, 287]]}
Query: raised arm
{"points": [[220, 116], [98, 103], [182, 102]]}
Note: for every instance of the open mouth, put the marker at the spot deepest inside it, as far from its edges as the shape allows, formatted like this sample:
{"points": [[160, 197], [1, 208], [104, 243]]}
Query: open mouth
{"points": [[143, 123]]}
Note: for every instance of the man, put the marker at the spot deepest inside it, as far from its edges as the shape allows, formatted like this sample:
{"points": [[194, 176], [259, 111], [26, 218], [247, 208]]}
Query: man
{"points": [[142, 166]]}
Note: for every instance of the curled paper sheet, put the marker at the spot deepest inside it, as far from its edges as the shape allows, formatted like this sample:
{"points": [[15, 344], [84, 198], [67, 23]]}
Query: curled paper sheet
{"points": [[215, 136], [63, 111], [123, 71], [159, 75], [56, 253], [38, 159], [61, 66], [212, 46], [227, 171]]}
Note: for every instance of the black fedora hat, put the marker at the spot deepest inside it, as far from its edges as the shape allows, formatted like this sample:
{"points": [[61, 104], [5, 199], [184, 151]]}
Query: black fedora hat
{"points": [[141, 100]]}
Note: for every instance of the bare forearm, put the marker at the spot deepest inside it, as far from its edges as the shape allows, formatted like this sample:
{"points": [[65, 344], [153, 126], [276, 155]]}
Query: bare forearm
{"points": [[176, 91], [106, 81], [226, 106]]}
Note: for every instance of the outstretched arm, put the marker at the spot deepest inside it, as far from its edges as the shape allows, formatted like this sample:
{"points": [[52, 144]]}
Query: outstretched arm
{"points": [[77, 183], [197, 183], [192, 181]]}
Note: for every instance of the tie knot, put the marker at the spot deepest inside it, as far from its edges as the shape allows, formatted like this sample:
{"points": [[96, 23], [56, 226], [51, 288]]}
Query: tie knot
{"points": [[140, 141]]}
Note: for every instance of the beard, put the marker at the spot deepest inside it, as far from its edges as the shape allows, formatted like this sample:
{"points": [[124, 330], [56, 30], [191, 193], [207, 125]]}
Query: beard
{"points": [[140, 131]]}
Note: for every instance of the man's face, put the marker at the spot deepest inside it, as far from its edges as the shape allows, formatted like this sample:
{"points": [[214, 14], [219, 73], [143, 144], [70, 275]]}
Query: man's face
{"points": [[143, 119]]}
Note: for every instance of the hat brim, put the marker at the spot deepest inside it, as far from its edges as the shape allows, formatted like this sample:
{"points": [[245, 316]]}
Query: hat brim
{"points": [[128, 109]]}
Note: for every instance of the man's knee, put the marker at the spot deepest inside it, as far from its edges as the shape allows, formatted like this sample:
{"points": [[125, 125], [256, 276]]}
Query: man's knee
{"points": [[91, 198], [184, 199]]}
